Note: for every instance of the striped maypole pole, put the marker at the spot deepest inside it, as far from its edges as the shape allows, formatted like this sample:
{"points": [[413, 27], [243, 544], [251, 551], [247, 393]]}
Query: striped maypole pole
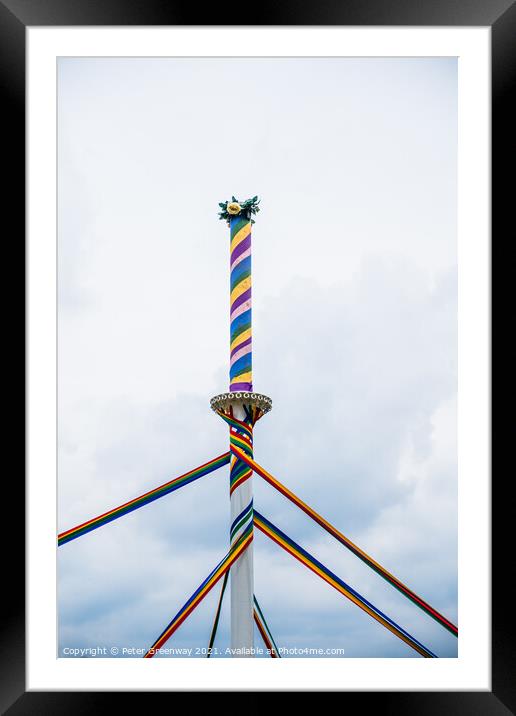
{"points": [[241, 347], [241, 408]]}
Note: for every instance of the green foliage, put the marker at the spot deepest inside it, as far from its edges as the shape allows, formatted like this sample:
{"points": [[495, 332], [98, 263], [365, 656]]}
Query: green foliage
{"points": [[248, 209]]}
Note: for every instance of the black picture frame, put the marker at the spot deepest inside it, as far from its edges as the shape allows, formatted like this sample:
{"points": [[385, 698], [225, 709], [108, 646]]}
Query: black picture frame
{"points": [[15, 17]]}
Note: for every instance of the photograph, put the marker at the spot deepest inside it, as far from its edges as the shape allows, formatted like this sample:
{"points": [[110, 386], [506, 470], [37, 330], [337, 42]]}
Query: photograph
{"points": [[257, 378]]}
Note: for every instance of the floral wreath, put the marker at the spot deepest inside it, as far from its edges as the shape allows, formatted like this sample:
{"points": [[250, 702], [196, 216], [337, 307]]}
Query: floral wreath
{"points": [[239, 208]]}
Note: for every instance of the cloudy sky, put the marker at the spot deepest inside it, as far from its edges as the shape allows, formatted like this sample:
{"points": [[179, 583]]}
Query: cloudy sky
{"points": [[354, 337]]}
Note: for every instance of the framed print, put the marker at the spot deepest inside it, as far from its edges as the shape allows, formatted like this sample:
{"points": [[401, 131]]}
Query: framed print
{"points": [[350, 158]]}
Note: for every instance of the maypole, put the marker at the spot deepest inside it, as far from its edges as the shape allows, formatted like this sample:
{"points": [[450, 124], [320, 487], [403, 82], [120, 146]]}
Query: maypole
{"points": [[241, 408]]}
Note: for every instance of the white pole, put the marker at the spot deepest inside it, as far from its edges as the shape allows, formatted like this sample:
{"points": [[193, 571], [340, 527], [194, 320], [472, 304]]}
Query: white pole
{"points": [[241, 504], [242, 582]]}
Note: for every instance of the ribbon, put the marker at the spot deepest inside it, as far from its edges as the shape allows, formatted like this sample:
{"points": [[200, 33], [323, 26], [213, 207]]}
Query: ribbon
{"points": [[276, 535], [142, 500]]}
